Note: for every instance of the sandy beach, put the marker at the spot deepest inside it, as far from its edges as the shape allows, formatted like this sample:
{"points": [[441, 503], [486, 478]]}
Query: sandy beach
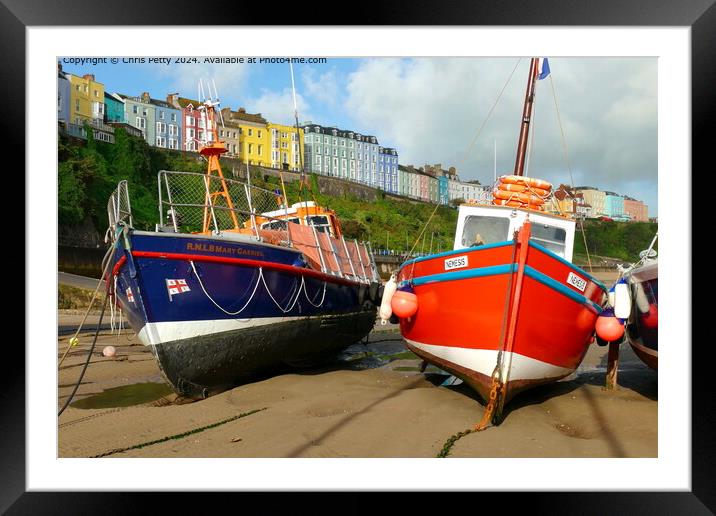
{"points": [[372, 402]]}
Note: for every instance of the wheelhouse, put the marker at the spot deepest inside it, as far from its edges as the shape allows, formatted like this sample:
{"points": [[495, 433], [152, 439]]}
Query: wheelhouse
{"points": [[486, 224]]}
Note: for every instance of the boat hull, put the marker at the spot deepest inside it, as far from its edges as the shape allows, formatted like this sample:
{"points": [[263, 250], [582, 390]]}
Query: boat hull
{"points": [[464, 316], [238, 307], [643, 325]]}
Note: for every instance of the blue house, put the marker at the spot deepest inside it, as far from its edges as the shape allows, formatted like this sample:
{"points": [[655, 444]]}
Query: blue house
{"points": [[114, 108]]}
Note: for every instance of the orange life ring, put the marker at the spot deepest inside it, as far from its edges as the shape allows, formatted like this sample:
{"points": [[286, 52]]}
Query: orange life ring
{"points": [[511, 187], [517, 204], [529, 181], [521, 197]]}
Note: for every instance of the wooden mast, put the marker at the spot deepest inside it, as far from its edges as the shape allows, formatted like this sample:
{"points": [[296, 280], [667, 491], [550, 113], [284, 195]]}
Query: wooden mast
{"points": [[526, 118]]}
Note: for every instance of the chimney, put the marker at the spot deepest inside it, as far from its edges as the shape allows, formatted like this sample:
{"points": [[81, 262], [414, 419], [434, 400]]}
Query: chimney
{"points": [[242, 110], [145, 97], [88, 76], [173, 99]]}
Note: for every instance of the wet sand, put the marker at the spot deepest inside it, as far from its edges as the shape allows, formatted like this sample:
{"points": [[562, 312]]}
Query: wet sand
{"points": [[360, 406]]}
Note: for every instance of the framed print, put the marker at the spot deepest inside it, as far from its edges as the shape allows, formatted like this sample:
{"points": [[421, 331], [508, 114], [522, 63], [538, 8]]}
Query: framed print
{"points": [[423, 65]]}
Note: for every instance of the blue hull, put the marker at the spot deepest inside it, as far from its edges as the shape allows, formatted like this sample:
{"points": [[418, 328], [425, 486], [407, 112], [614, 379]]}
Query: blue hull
{"points": [[218, 310]]}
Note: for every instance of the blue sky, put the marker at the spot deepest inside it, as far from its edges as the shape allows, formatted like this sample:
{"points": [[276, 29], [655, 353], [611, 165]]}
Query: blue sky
{"points": [[431, 110]]}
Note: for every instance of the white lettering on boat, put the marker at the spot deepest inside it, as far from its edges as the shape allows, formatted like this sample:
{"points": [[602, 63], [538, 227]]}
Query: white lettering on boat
{"points": [[456, 263], [577, 282]]}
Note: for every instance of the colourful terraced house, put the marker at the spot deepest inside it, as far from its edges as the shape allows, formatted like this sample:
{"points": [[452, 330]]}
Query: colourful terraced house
{"points": [[86, 99]]}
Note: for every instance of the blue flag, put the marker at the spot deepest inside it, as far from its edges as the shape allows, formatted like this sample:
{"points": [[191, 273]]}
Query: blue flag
{"points": [[542, 68]]}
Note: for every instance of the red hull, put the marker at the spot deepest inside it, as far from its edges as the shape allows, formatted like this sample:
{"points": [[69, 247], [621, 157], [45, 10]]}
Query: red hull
{"points": [[465, 315]]}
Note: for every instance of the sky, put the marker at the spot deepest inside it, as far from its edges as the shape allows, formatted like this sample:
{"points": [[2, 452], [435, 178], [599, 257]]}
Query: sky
{"points": [[594, 123]]}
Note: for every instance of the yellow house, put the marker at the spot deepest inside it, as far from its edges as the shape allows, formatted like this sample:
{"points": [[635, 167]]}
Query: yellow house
{"points": [[596, 199], [286, 144], [86, 99], [253, 136]]}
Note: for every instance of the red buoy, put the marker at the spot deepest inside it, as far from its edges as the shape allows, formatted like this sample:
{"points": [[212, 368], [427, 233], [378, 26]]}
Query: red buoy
{"points": [[651, 318], [404, 304], [609, 328]]}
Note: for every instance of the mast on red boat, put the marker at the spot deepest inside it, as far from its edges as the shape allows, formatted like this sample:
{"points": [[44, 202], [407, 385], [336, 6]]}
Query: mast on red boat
{"points": [[526, 118]]}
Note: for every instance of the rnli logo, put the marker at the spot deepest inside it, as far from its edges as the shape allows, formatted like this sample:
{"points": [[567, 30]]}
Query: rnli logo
{"points": [[457, 262], [577, 282]]}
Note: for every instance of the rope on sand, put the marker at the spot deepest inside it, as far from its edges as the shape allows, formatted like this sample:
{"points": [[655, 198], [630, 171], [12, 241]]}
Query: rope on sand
{"points": [[177, 436]]}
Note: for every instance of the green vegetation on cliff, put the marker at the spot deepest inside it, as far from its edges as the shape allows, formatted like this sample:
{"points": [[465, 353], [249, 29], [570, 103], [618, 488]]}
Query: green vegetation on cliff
{"points": [[622, 240], [89, 173]]}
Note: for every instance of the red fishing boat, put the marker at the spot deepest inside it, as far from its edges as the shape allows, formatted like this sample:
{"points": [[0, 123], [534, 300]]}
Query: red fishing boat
{"points": [[506, 309]]}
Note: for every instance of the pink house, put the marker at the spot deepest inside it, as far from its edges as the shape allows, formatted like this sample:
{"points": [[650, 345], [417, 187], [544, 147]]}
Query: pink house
{"points": [[192, 124]]}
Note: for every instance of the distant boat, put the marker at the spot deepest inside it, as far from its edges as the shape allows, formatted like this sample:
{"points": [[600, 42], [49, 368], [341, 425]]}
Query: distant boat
{"points": [[233, 281], [505, 310]]}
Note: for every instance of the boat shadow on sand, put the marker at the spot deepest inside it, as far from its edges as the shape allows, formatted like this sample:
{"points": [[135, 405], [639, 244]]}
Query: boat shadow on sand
{"points": [[632, 376]]}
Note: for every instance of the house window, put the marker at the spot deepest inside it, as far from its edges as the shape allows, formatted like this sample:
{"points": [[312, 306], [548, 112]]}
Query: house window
{"points": [[189, 119], [251, 132], [161, 141], [141, 123], [251, 147], [259, 135], [161, 115], [174, 117], [173, 143], [144, 111], [261, 149], [77, 104]]}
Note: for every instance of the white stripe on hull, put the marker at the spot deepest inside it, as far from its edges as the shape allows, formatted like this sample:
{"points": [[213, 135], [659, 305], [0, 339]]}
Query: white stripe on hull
{"points": [[160, 332], [483, 361]]}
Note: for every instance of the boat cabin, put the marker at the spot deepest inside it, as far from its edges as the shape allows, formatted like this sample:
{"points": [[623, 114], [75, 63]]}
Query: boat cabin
{"points": [[305, 213], [489, 224]]}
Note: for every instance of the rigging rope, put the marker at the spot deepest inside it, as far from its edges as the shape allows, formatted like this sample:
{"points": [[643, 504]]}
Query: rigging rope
{"points": [[509, 78], [467, 153], [569, 168]]}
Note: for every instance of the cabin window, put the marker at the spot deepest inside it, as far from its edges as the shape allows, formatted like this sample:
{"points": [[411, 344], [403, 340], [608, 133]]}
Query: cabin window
{"points": [[488, 230], [278, 224], [320, 222], [550, 237]]}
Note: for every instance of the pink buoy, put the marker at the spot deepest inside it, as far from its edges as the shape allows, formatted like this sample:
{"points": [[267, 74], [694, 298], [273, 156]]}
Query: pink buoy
{"points": [[109, 351], [609, 328], [404, 304]]}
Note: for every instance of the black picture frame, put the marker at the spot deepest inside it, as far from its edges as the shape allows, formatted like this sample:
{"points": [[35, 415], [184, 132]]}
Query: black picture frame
{"points": [[699, 15]]}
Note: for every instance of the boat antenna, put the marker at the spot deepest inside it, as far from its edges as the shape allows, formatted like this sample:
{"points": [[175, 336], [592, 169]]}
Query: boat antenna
{"points": [[303, 181]]}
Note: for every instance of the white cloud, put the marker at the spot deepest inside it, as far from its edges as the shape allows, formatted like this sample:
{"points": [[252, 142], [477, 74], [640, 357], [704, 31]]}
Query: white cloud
{"points": [[431, 108], [231, 80], [277, 106], [323, 89]]}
